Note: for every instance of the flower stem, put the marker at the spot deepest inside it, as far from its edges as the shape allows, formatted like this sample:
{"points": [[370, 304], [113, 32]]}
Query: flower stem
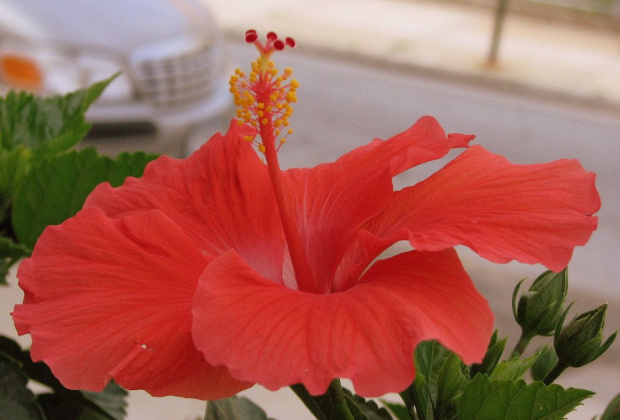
{"points": [[524, 340], [554, 373], [338, 402], [330, 406]]}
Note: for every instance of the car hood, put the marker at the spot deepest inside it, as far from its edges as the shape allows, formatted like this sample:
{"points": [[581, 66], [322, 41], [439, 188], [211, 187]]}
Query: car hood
{"points": [[121, 25]]}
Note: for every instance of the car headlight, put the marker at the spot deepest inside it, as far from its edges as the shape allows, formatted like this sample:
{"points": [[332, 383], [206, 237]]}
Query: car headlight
{"points": [[52, 70]]}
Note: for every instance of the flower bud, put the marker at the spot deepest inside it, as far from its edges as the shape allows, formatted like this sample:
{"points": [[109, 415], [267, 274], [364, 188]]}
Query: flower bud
{"points": [[579, 343], [540, 309]]}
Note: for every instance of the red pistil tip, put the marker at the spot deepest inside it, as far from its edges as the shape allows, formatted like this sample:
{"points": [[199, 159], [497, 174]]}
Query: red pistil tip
{"points": [[250, 36], [273, 43]]}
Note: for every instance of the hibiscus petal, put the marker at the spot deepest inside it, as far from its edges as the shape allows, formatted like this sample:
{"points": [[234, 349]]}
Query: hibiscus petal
{"points": [[221, 196], [111, 298], [331, 202], [422, 142], [266, 333], [531, 213]]}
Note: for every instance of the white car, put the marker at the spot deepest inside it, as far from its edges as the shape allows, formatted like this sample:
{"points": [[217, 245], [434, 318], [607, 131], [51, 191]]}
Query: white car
{"points": [[172, 93]]}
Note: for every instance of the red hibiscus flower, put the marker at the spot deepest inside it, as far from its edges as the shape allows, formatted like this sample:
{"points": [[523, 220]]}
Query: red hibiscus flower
{"points": [[218, 271]]}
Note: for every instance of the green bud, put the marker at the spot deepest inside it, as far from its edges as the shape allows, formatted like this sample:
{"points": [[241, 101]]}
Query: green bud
{"points": [[540, 309], [579, 343]]}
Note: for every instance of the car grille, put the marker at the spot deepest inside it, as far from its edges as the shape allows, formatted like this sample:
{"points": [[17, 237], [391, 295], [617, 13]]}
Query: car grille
{"points": [[182, 78]]}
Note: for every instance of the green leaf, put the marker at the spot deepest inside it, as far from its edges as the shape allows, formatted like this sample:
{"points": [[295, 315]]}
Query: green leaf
{"points": [[63, 403], [56, 188], [365, 409], [513, 369], [234, 408], [612, 411], [70, 405], [491, 358], [400, 411], [309, 401], [128, 164], [111, 400], [46, 125], [484, 399], [450, 383], [14, 165], [356, 411], [10, 253], [423, 394], [545, 362], [429, 357], [16, 400]]}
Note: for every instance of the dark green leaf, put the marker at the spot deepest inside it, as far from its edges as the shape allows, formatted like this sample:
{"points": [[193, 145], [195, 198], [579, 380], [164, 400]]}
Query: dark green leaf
{"points": [[484, 399], [111, 400], [38, 371], [17, 402], [70, 405], [309, 401], [365, 409], [14, 165], [10, 253], [400, 411], [234, 408], [491, 358], [65, 404], [545, 362], [356, 411], [513, 369]]}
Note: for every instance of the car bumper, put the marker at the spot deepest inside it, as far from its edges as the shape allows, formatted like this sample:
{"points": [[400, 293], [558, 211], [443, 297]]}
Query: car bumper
{"points": [[174, 131]]}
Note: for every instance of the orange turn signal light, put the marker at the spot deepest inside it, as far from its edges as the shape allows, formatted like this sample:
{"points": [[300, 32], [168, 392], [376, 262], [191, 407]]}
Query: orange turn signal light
{"points": [[20, 72]]}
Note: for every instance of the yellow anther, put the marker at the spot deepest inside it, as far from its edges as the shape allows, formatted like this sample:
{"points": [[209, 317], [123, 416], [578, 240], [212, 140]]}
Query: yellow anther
{"points": [[263, 97]]}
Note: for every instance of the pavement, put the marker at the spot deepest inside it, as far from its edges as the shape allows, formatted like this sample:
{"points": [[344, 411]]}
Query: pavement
{"points": [[568, 62]]}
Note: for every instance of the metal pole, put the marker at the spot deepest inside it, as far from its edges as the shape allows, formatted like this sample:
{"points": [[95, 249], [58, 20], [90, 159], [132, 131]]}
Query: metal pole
{"points": [[498, 26]]}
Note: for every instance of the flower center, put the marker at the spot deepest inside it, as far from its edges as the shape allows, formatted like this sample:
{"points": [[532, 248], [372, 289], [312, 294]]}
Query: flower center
{"points": [[264, 102]]}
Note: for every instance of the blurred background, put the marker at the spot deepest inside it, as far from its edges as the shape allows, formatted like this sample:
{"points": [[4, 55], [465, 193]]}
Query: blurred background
{"points": [[535, 80]]}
